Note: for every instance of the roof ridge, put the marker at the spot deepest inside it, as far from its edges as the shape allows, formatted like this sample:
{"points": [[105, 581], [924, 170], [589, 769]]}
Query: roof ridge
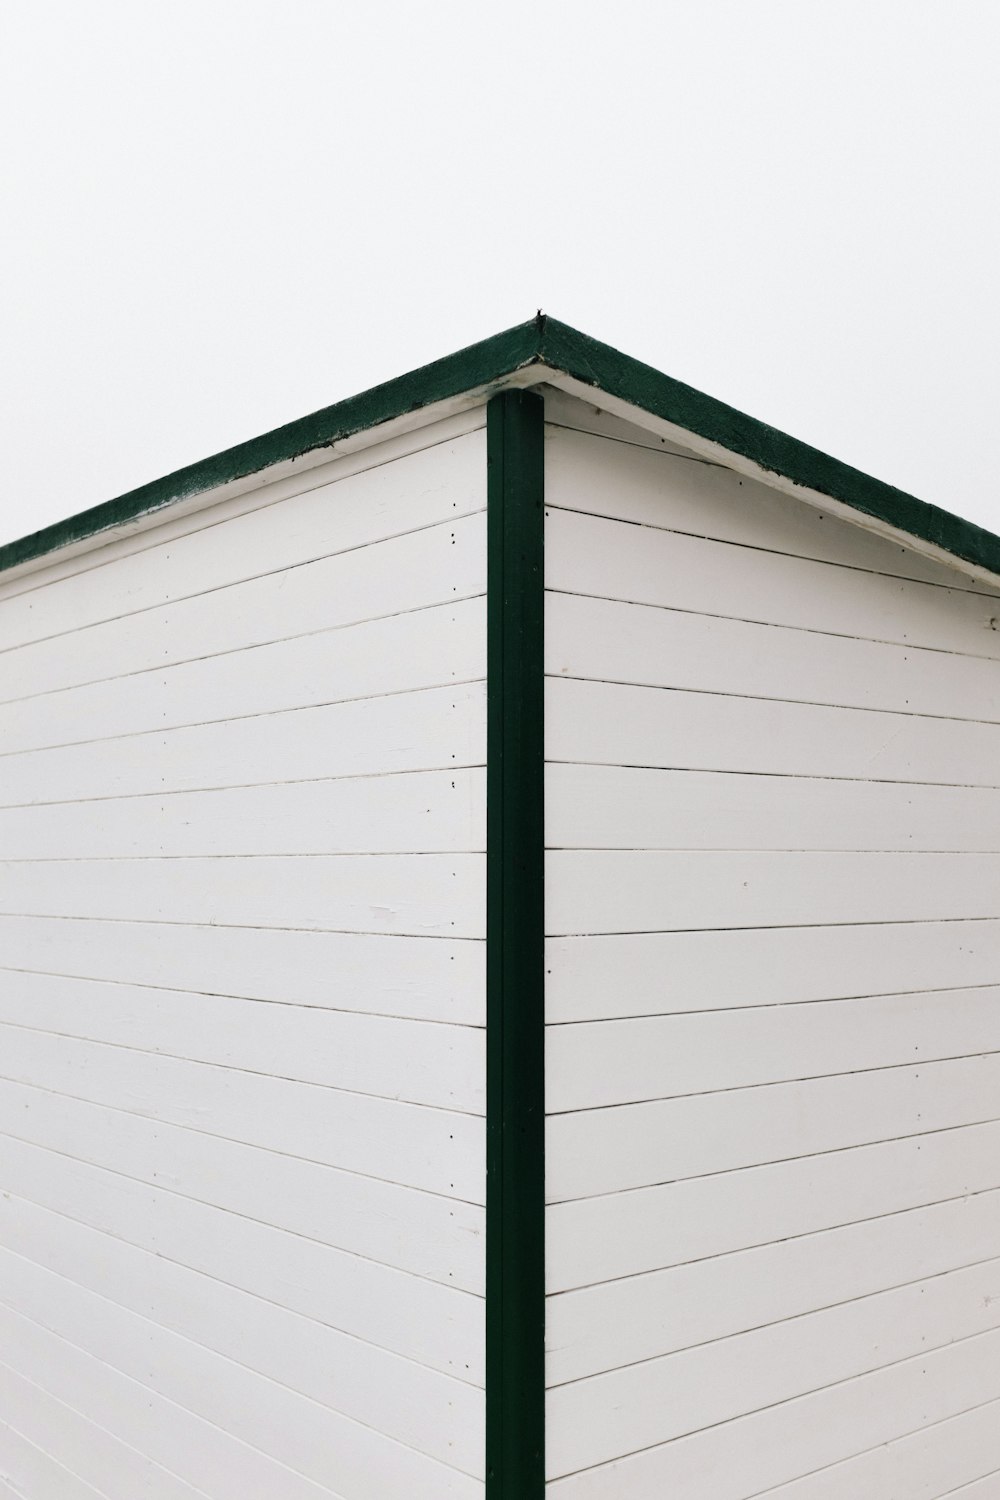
{"points": [[545, 341]]}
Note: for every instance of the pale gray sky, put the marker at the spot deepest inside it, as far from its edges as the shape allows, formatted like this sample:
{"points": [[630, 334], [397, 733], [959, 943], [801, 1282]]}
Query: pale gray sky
{"points": [[221, 214]]}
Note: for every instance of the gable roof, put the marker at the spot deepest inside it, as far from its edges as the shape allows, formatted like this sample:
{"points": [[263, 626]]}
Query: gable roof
{"points": [[545, 350]]}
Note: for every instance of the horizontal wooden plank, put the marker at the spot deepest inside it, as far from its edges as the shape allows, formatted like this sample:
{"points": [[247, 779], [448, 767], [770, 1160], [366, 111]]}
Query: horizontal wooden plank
{"points": [[396, 1226], [430, 1412], [593, 1064], [639, 644], [440, 1065], [422, 895], [596, 978], [33, 1470], [614, 724], [744, 1457], [434, 1150], [426, 730], [613, 807], [566, 412], [586, 554], [311, 1440], [429, 1322], [51, 1451], [934, 1464], [641, 1318], [625, 1234], [415, 812], [438, 565], [332, 512], [177, 1440], [611, 468], [639, 1145], [607, 1416], [986, 1488], [434, 979], [431, 647], [640, 891], [980, 1489]]}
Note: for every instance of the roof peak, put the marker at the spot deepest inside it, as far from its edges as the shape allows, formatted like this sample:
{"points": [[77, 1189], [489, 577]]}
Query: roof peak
{"points": [[586, 364]]}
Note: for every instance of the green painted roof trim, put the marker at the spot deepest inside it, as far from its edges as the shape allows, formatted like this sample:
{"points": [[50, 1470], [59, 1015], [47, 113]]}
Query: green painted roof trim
{"points": [[640, 385], [542, 341], [480, 364]]}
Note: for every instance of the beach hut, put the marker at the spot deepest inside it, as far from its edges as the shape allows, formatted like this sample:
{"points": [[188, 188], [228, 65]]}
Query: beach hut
{"points": [[499, 963]]}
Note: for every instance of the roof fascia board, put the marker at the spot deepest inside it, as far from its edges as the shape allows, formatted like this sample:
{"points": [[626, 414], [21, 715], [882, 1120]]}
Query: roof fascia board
{"points": [[624, 386], [266, 488], [541, 350], [715, 453], [438, 390]]}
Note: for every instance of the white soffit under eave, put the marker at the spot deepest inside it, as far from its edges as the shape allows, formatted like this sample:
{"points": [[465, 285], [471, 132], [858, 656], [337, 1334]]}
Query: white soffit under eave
{"points": [[716, 453], [176, 512]]}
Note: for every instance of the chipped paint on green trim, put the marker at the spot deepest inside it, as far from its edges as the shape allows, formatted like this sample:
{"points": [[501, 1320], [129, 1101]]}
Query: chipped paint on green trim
{"points": [[481, 364], [615, 374], [543, 341]]}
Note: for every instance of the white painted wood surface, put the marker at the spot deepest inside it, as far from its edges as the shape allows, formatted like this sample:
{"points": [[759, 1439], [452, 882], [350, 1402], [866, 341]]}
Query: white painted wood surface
{"points": [[924, 1465], [773, 1055], [397, 1226], [613, 641], [242, 995], [372, 448], [437, 565], [425, 730], [619, 1324], [331, 1366], [380, 1056], [599, 978], [597, 1151], [424, 812], [160, 1386], [428, 895], [40, 1437], [607, 559], [436, 979], [628, 1233], [429, 1148], [265, 1241], [650, 890], [603, 1417], [633, 807], [596, 1064], [623, 479], [430, 647], [757, 1452], [613, 724], [339, 508]]}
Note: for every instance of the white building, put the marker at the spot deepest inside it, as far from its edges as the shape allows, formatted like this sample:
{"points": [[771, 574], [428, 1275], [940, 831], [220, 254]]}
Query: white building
{"points": [[369, 1133]]}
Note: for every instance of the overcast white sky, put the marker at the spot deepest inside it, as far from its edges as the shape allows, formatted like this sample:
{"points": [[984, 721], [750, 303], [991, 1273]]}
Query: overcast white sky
{"points": [[221, 214]]}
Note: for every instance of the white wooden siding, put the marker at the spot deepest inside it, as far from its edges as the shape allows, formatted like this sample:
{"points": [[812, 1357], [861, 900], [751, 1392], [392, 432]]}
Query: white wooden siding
{"points": [[242, 1000], [364, 972], [773, 996]]}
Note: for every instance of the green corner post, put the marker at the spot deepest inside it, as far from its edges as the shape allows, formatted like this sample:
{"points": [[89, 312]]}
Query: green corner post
{"points": [[515, 927]]}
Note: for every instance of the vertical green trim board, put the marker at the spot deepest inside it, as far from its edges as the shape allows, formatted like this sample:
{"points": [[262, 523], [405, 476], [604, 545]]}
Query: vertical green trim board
{"points": [[515, 956]]}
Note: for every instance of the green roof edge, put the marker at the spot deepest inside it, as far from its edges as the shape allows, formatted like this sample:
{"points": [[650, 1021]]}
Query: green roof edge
{"points": [[479, 364], [543, 340], [640, 385]]}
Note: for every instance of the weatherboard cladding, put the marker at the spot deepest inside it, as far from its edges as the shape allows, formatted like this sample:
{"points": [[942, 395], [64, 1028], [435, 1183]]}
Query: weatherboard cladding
{"points": [[274, 809], [242, 1013], [772, 994]]}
